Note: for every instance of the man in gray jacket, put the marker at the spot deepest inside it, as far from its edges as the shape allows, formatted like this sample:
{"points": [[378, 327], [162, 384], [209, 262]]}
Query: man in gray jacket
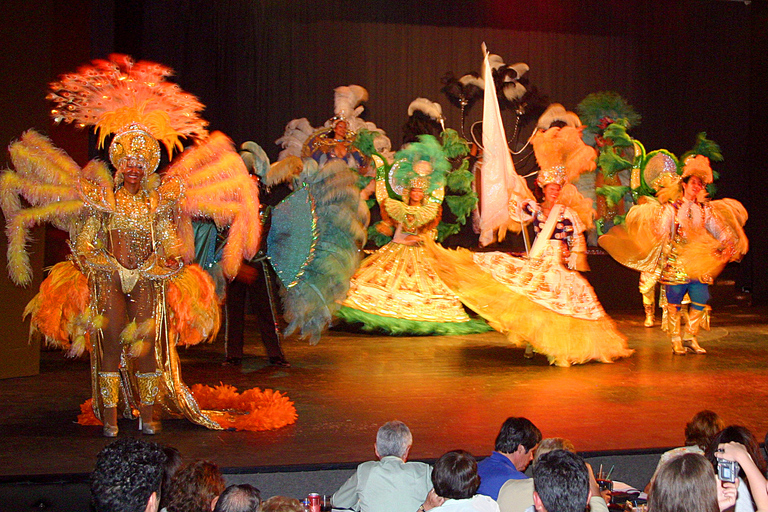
{"points": [[389, 484]]}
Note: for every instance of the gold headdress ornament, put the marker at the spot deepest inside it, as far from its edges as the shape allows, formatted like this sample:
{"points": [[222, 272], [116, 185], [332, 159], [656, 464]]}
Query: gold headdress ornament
{"points": [[698, 165], [423, 170], [132, 101], [562, 155]]}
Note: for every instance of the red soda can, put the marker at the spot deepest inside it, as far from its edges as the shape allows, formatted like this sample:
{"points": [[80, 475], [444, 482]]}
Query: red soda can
{"points": [[314, 502]]}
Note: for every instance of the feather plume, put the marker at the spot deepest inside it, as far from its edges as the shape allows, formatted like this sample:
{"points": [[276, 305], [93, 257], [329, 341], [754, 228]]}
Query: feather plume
{"points": [[557, 113], [347, 98], [111, 94], [18, 228], [284, 171], [194, 313], [310, 303], [218, 185], [60, 309], [430, 108]]}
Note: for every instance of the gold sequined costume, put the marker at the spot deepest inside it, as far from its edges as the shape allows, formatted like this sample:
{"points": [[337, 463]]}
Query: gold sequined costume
{"points": [[396, 289], [129, 293]]}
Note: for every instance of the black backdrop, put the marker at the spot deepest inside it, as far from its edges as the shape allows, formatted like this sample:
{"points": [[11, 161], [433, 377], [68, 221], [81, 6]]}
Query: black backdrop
{"points": [[686, 66]]}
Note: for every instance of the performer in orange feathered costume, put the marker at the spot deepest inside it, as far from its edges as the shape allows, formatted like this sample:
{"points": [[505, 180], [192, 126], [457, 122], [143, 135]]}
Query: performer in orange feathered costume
{"points": [[128, 293]]}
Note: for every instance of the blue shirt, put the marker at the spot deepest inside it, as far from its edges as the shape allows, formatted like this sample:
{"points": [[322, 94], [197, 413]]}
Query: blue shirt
{"points": [[494, 471]]}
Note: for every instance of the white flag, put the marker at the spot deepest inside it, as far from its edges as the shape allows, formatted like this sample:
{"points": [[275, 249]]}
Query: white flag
{"points": [[498, 179]]}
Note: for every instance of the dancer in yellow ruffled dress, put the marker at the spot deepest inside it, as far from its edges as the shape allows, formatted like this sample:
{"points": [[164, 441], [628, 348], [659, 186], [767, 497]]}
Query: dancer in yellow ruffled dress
{"points": [[396, 289], [541, 300], [129, 294]]}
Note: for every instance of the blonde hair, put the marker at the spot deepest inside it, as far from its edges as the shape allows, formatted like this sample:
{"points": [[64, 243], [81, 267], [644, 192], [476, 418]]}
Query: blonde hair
{"points": [[282, 504]]}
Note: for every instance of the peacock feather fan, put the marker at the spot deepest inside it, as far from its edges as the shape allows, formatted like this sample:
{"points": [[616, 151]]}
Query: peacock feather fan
{"points": [[332, 257]]}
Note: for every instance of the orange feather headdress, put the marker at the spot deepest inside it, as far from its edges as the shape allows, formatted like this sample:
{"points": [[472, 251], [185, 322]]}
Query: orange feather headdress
{"points": [[132, 100]]}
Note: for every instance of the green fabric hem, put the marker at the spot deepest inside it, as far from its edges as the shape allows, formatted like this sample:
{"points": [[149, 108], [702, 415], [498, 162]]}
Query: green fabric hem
{"points": [[399, 326]]}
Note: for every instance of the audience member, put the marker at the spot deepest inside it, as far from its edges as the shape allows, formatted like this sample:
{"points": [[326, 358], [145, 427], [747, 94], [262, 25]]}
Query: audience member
{"points": [[456, 481], [128, 477], [517, 495], [238, 498], [739, 453], [561, 483], [514, 449], [282, 504], [698, 434], [195, 487], [687, 482], [743, 436], [390, 484], [172, 465]]}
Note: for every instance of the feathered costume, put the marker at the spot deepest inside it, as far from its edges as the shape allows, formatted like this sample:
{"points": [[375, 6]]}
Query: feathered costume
{"points": [[335, 139], [539, 300], [684, 242], [128, 294], [314, 237], [396, 290]]}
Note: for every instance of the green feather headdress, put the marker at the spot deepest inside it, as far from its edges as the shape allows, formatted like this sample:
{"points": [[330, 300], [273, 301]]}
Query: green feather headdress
{"points": [[427, 149]]}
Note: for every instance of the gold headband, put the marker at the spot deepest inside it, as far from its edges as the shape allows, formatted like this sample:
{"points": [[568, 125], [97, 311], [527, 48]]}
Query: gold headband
{"points": [[136, 143], [554, 174]]}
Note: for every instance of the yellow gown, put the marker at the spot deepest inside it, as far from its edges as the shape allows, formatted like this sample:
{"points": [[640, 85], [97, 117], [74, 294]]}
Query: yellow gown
{"points": [[535, 300]]}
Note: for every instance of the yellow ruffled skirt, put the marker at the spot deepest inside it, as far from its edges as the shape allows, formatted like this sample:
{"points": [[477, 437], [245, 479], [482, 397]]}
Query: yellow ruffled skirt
{"points": [[533, 301], [397, 281]]}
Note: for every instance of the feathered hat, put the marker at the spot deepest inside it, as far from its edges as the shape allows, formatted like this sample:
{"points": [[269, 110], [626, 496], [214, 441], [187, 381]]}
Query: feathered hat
{"points": [[698, 165], [422, 165], [562, 155], [133, 101], [429, 108], [347, 100]]}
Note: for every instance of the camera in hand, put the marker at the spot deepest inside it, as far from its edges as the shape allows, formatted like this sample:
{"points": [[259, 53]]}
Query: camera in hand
{"points": [[727, 470]]}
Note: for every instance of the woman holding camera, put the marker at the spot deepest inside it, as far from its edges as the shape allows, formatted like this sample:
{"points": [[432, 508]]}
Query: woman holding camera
{"points": [[688, 483]]}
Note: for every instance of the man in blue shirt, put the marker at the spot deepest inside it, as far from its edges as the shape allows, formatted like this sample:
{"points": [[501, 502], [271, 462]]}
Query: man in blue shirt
{"points": [[515, 446]]}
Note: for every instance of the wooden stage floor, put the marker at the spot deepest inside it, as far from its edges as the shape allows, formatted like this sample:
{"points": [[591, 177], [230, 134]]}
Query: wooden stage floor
{"points": [[454, 392]]}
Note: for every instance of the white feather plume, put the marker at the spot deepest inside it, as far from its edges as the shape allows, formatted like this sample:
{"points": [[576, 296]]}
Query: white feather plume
{"points": [[556, 112], [430, 108]]}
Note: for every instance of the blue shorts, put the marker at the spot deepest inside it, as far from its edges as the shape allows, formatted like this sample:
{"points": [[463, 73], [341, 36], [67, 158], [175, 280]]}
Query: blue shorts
{"points": [[697, 291]]}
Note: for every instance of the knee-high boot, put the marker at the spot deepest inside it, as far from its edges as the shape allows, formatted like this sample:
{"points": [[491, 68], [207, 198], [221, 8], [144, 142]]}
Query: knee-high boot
{"points": [[148, 390], [673, 329], [650, 315], [109, 389], [691, 343]]}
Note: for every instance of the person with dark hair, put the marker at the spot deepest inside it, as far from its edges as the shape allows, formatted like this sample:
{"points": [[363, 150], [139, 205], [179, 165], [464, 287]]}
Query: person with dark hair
{"points": [[687, 482], [172, 465], [560, 482], [128, 477], [699, 241], [698, 435], [515, 446], [517, 495], [389, 484], [737, 452], [195, 487], [456, 481], [741, 435], [239, 498]]}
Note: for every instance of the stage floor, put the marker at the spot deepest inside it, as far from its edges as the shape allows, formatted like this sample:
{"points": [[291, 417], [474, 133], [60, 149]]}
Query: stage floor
{"points": [[453, 392]]}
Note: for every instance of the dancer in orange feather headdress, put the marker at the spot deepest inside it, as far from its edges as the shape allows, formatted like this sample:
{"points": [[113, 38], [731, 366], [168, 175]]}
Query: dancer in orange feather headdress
{"points": [[542, 300], [129, 294]]}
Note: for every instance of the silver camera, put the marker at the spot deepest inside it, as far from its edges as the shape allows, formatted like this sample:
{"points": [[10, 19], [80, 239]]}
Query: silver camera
{"points": [[727, 470]]}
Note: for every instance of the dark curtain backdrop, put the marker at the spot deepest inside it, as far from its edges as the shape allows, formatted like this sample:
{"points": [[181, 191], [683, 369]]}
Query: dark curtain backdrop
{"points": [[686, 66], [256, 67]]}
